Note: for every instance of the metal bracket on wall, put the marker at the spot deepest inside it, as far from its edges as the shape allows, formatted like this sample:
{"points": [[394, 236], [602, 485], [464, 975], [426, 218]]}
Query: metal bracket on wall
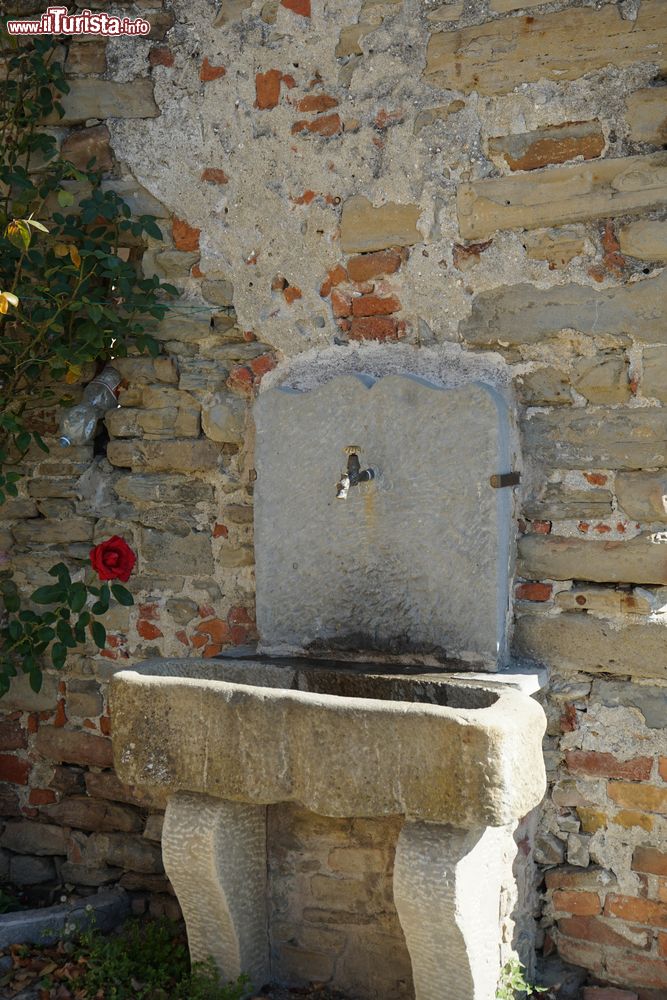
{"points": [[502, 479]]}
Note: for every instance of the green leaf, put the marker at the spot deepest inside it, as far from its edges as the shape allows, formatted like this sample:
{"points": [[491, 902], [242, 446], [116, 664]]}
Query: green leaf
{"points": [[99, 634], [50, 594], [58, 655], [122, 595], [36, 680], [77, 597], [65, 198]]}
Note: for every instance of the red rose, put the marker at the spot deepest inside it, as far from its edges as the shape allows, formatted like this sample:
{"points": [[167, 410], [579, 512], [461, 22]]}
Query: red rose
{"points": [[113, 559]]}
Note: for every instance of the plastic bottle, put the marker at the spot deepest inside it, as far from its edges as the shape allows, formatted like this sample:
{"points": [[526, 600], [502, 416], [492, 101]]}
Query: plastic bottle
{"points": [[77, 425]]}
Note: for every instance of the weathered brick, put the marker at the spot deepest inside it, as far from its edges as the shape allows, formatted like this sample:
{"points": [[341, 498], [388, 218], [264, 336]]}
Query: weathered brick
{"points": [[185, 236], [375, 305], [562, 195], [374, 328], [553, 557], [326, 125], [649, 860], [605, 765], [584, 904], [13, 769], [210, 72], [373, 265], [555, 144], [533, 592], [583, 953], [594, 929], [67, 746], [267, 89], [647, 798], [12, 735], [364, 227], [301, 7], [495, 57], [637, 969]]}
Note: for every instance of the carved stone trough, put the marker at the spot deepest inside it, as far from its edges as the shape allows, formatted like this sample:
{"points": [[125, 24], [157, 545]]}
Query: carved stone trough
{"points": [[226, 738]]}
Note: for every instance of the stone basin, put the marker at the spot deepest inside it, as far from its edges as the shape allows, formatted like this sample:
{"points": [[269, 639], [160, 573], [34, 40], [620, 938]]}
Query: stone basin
{"points": [[338, 739], [459, 757]]}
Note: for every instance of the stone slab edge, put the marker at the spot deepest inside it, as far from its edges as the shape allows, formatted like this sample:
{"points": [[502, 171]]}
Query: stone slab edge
{"points": [[103, 912]]}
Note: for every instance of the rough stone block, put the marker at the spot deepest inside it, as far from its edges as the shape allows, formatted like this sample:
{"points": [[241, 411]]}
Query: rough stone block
{"points": [[618, 438], [603, 600], [524, 314], [558, 502], [185, 455], [21, 696], [643, 495], [84, 699], [555, 144], [127, 851], [87, 875], [24, 870], [624, 185], [642, 559], [86, 57], [580, 642], [163, 489], [649, 700], [83, 813], [603, 379], [223, 419], [88, 144], [495, 57], [364, 227], [645, 239], [68, 746], [45, 531], [167, 554], [646, 114], [654, 378], [93, 98], [25, 837], [557, 246]]}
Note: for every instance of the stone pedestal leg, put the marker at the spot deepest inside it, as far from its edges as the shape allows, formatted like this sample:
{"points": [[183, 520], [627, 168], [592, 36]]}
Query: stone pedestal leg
{"points": [[447, 890], [214, 852]]}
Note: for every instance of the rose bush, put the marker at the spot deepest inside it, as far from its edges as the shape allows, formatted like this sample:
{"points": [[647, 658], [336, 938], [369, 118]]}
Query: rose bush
{"points": [[113, 559]]}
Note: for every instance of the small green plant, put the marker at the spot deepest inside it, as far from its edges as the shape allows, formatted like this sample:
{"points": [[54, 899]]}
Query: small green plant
{"points": [[146, 961], [8, 902], [513, 984]]}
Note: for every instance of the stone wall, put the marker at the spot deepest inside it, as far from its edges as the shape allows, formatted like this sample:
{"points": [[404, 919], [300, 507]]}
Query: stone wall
{"points": [[484, 176]]}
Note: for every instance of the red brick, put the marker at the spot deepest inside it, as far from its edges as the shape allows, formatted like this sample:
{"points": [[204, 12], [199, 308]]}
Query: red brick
{"points": [[375, 305], [326, 125], [662, 768], [566, 877], [341, 304], [533, 591], [160, 55], [220, 530], [636, 911], [594, 929], [385, 119], [267, 89], [583, 904], [185, 237], [13, 769], [105, 725], [68, 746], [239, 616], [649, 860], [41, 796], [149, 611], [317, 102], [662, 945], [335, 276], [583, 953], [374, 328], [216, 629], [262, 365], [12, 735], [182, 636], [209, 72], [541, 527], [214, 649], [637, 969], [33, 722], [60, 717], [301, 7], [595, 478], [214, 175], [607, 993], [372, 265], [238, 635], [605, 765], [241, 380], [147, 630], [291, 294]]}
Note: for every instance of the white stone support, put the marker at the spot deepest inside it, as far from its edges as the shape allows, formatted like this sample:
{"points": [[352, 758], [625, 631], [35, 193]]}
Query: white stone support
{"points": [[447, 893], [214, 853]]}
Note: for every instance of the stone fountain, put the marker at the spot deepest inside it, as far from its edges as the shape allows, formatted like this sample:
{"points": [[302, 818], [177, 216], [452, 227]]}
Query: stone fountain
{"points": [[380, 685]]}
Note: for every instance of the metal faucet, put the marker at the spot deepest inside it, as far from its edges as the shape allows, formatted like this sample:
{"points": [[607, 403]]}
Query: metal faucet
{"points": [[354, 474]]}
